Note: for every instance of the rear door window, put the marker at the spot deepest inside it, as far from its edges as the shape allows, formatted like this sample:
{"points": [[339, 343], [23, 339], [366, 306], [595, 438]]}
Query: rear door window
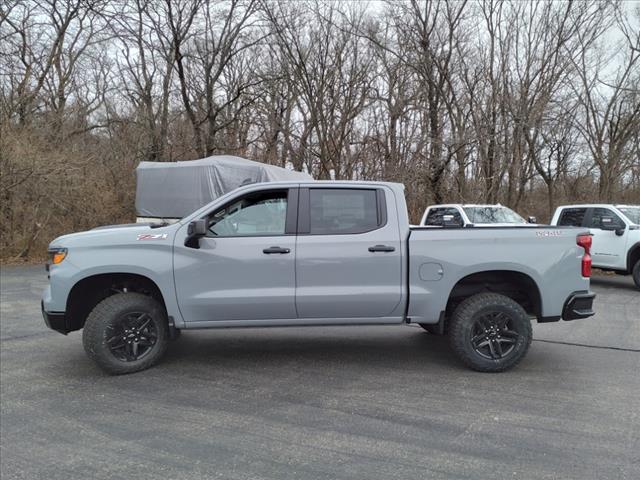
{"points": [[336, 211], [572, 217]]}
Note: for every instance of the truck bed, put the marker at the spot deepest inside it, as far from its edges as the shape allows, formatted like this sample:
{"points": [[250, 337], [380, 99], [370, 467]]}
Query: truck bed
{"points": [[441, 258]]}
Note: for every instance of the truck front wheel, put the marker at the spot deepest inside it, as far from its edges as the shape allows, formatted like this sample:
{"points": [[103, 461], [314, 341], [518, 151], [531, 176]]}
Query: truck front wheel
{"points": [[126, 333], [490, 332], [636, 274]]}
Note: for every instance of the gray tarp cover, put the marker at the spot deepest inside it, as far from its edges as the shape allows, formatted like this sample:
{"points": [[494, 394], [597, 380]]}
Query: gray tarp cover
{"points": [[175, 189]]}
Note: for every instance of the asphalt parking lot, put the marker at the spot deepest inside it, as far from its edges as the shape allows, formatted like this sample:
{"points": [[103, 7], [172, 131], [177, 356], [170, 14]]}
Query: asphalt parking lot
{"points": [[322, 403]]}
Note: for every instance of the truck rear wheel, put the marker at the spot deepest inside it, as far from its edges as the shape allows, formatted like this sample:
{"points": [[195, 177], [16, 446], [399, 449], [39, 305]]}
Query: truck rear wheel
{"points": [[636, 274], [126, 333], [490, 332]]}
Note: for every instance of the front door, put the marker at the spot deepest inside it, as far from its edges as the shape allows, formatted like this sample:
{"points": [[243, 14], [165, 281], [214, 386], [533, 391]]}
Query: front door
{"points": [[608, 249], [348, 254], [244, 269]]}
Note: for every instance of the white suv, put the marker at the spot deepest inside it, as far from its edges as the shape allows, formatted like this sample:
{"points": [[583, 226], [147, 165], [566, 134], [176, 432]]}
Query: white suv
{"points": [[616, 234]]}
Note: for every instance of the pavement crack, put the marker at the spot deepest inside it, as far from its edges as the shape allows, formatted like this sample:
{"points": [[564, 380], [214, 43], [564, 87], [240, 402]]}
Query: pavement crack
{"points": [[601, 347], [29, 335]]}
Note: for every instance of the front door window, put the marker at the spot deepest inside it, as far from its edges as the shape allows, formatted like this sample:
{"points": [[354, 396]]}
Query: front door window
{"points": [[260, 214]]}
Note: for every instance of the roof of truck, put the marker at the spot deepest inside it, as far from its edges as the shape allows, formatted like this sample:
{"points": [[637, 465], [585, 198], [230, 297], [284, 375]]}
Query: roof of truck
{"points": [[465, 205], [599, 205], [325, 182]]}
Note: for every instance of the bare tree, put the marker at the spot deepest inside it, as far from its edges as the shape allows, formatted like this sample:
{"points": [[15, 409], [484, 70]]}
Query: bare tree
{"points": [[610, 123], [528, 103], [331, 69]]}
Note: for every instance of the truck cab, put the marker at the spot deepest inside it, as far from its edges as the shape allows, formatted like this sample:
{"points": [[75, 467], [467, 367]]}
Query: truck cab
{"points": [[615, 231]]}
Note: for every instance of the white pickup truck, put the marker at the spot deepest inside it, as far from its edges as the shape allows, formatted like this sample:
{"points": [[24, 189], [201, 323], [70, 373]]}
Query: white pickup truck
{"points": [[616, 234], [472, 214]]}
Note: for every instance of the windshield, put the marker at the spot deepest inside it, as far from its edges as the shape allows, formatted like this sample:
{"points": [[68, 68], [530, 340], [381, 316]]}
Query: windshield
{"points": [[492, 215], [632, 213]]}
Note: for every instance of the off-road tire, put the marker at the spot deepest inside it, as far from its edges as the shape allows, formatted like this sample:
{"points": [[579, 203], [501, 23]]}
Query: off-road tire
{"points": [[468, 323], [635, 273], [110, 313]]}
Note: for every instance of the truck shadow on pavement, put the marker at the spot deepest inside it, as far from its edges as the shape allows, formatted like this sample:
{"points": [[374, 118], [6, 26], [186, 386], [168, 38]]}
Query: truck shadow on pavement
{"points": [[311, 348], [302, 357], [323, 352]]}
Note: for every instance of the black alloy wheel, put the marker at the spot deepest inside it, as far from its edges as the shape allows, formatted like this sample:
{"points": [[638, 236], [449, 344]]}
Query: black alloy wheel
{"points": [[132, 336], [494, 336]]}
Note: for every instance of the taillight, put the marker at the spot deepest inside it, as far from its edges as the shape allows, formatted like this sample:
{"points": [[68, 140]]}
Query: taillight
{"points": [[585, 242]]}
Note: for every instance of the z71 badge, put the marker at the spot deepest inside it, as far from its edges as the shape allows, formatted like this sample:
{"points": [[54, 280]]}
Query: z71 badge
{"points": [[152, 236]]}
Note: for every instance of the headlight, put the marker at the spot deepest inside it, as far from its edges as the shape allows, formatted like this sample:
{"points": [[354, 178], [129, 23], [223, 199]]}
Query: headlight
{"points": [[56, 256]]}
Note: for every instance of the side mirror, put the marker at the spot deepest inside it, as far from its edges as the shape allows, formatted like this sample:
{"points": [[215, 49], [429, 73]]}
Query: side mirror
{"points": [[448, 221], [197, 228], [607, 223], [532, 219], [195, 231]]}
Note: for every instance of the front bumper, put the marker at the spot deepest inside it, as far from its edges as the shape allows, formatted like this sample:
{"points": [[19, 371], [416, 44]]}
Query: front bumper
{"points": [[55, 320], [578, 305]]}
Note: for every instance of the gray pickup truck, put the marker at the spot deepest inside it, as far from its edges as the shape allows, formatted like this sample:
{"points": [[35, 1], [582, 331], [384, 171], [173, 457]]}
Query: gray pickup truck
{"points": [[314, 253]]}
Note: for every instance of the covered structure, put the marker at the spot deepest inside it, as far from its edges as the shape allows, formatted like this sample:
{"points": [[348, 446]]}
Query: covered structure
{"points": [[171, 190]]}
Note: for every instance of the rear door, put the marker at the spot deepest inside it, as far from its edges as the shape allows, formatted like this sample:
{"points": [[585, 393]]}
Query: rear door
{"points": [[348, 253]]}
